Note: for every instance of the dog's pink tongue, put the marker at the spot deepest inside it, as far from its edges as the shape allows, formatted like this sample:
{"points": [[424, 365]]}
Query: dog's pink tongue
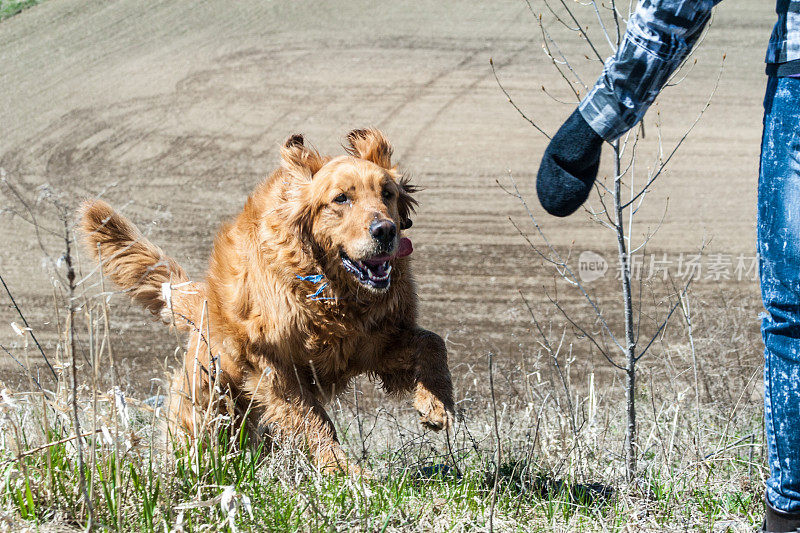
{"points": [[405, 247]]}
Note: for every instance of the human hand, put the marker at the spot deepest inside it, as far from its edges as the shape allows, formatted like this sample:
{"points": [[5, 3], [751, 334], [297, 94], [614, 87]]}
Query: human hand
{"points": [[569, 167]]}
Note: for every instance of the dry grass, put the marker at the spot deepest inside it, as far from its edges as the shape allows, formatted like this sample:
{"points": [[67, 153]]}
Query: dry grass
{"points": [[539, 450], [560, 448], [542, 451], [555, 418]]}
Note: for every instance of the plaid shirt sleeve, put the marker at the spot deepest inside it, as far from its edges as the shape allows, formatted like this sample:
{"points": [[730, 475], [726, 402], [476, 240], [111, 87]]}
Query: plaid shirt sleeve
{"points": [[659, 36]]}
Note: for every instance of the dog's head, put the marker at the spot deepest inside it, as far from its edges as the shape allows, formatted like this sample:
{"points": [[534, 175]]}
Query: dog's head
{"points": [[352, 209]]}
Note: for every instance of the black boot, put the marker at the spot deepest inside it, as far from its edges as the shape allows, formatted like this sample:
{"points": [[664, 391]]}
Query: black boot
{"points": [[776, 521]]}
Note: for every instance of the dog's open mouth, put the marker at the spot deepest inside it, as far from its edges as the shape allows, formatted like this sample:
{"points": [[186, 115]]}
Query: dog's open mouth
{"points": [[376, 272]]}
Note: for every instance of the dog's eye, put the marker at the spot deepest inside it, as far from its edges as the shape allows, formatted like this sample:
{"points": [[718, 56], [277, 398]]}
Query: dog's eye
{"points": [[341, 199], [387, 194]]}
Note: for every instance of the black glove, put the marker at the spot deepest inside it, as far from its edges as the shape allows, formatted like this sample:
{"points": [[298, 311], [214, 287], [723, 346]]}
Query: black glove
{"points": [[569, 167]]}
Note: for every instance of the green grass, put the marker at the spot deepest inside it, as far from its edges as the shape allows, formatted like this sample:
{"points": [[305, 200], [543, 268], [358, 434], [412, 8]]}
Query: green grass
{"points": [[411, 490], [9, 8], [700, 464]]}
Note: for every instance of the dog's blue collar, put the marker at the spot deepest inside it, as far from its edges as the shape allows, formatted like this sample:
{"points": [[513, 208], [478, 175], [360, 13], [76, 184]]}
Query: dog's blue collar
{"points": [[316, 279], [313, 278]]}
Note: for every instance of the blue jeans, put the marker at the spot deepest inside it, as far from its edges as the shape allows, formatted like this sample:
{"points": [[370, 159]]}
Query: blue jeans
{"points": [[779, 263]]}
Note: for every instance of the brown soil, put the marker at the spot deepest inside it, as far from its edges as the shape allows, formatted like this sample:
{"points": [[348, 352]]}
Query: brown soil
{"points": [[174, 111]]}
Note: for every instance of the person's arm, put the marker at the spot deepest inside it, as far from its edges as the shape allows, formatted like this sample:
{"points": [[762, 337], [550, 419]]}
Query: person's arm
{"points": [[659, 36]]}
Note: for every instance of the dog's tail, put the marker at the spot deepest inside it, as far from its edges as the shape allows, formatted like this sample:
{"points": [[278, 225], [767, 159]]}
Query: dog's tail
{"points": [[138, 266]]}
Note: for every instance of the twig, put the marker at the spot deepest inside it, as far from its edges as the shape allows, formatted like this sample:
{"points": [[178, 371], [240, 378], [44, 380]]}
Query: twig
{"points": [[551, 10], [28, 370], [571, 278], [49, 445], [28, 327], [680, 141], [729, 446], [546, 38], [588, 41], [603, 26], [664, 322], [616, 22], [584, 332], [497, 436], [687, 316], [508, 96], [73, 359]]}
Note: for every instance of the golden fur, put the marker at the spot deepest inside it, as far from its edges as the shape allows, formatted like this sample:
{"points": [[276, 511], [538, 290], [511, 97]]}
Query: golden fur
{"points": [[277, 346]]}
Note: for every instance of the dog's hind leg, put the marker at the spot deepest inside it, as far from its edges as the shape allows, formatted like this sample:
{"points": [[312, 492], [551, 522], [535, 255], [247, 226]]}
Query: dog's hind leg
{"points": [[293, 412]]}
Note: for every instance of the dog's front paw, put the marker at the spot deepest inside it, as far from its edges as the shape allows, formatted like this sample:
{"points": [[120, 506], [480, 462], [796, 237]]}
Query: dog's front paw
{"points": [[348, 469], [335, 461], [432, 411]]}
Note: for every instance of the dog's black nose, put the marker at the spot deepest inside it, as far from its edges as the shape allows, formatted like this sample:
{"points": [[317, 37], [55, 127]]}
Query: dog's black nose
{"points": [[383, 231]]}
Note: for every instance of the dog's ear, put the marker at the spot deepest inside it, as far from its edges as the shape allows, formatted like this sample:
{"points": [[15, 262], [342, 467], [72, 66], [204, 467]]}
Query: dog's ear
{"points": [[298, 213], [406, 203], [370, 144], [300, 160]]}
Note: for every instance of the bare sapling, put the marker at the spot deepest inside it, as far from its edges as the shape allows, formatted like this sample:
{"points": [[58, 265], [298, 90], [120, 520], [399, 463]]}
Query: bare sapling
{"points": [[618, 340], [70, 333]]}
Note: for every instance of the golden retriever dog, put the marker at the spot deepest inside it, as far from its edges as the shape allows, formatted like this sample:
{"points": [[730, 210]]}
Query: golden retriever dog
{"points": [[308, 287]]}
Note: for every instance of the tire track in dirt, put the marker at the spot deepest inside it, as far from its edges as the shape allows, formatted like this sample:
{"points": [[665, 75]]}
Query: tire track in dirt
{"points": [[415, 143], [180, 159], [419, 92]]}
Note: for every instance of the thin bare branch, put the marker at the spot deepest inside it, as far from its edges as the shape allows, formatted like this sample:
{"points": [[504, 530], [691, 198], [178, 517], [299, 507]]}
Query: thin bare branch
{"points": [[583, 331], [25, 368], [583, 32], [564, 61], [29, 328], [555, 98], [571, 277], [664, 322], [616, 22], [49, 445], [511, 101], [553, 12], [603, 26], [680, 142]]}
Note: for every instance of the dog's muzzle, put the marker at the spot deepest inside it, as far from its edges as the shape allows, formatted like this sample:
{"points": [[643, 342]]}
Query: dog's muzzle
{"points": [[376, 272]]}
